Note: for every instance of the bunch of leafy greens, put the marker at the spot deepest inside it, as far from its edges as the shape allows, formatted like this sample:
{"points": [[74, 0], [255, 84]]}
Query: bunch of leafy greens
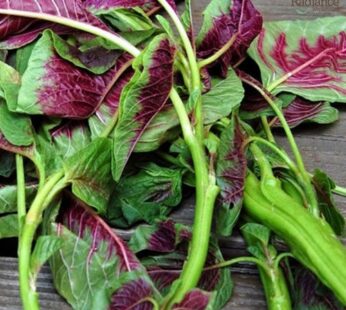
{"points": [[109, 119]]}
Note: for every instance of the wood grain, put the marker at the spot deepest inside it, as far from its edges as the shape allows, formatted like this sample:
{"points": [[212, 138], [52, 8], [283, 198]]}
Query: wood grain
{"points": [[322, 147]]}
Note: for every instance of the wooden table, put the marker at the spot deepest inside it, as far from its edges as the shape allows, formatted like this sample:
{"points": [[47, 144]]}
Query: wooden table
{"points": [[323, 147]]}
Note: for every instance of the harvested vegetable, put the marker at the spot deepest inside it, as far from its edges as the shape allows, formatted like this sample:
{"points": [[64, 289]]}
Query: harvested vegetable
{"points": [[109, 120]]}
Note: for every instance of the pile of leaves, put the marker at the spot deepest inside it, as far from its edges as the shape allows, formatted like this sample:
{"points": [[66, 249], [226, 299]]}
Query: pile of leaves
{"points": [[112, 116]]}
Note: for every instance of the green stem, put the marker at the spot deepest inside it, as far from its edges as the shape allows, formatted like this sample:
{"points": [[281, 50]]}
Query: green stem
{"points": [[339, 190], [33, 219], [237, 260], [206, 193], [219, 53], [310, 193], [267, 129], [275, 289], [281, 153], [21, 205], [194, 69], [280, 257]]}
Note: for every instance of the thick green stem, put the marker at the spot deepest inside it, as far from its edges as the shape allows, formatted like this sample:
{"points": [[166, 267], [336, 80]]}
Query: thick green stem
{"points": [[310, 193], [206, 193], [310, 239], [275, 289], [194, 68], [21, 204], [32, 220]]}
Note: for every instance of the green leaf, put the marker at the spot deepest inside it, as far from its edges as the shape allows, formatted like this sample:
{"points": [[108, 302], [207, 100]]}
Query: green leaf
{"points": [[8, 197], [89, 171], [148, 195], [160, 130], [15, 127], [130, 19], [324, 186], [22, 57], [9, 226], [97, 59], [167, 27], [9, 83], [304, 57], [45, 247], [224, 96], [257, 238]]}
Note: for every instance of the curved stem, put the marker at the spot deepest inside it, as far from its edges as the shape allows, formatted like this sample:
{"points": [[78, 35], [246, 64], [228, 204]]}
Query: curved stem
{"points": [[219, 53], [237, 260], [112, 37], [33, 219], [282, 154], [281, 256], [21, 206], [195, 74], [310, 193], [110, 126]]}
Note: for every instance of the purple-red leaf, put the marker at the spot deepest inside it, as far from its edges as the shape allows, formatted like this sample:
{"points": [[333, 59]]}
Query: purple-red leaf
{"points": [[222, 20], [162, 238], [307, 58], [169, 243], [54, 87], [106, 266], [82, 221], [230, 176], [133, 295], [71, 9], [231, 163], [194, 300], [108, 109], [142, 98], [301, 110]]}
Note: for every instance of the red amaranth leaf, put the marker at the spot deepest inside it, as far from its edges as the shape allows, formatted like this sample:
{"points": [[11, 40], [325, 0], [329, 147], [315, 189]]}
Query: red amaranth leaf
{"points": [[28, 33], [168, 244], [72, 9], [133, 295], [231, 163], [307, 58], [143, 98], [109, 107], [54, 87], [301, 110], [222, 20], [194, 300], [82, 221], [104, 263], [161, 238]]}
